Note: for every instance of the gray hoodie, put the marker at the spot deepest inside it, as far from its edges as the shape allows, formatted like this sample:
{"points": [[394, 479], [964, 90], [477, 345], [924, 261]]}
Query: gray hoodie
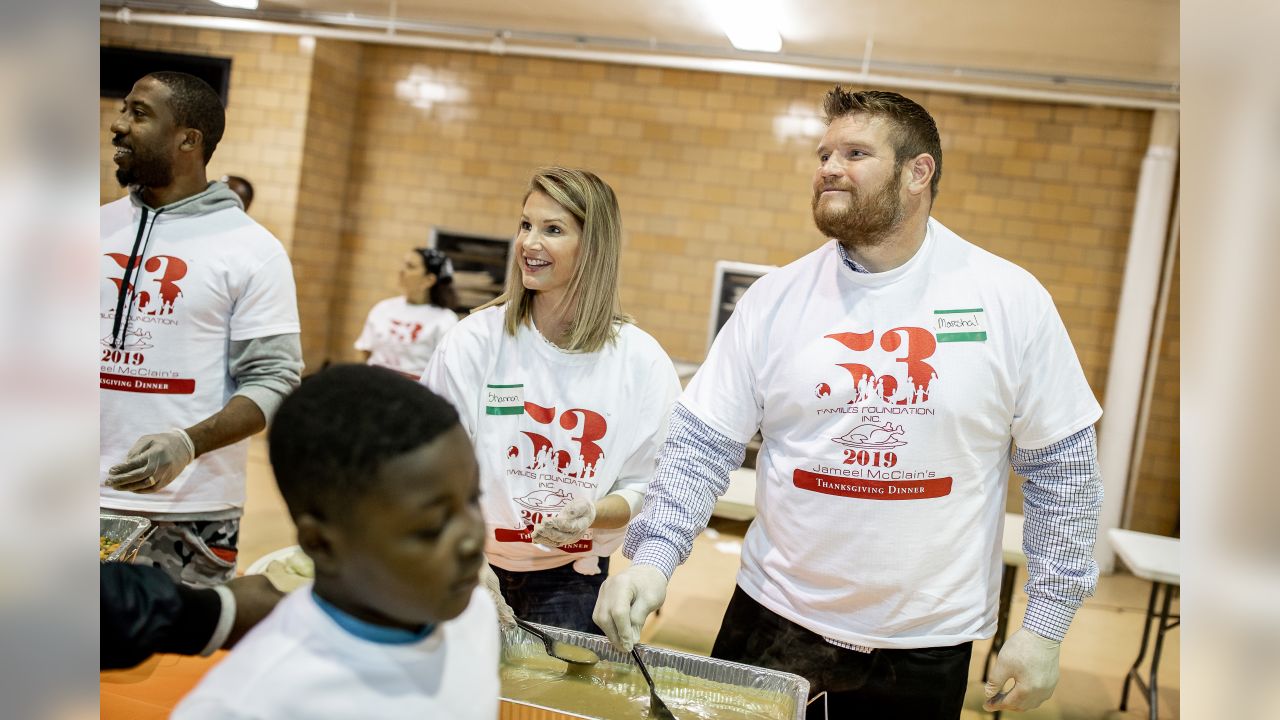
{"points": [[216, 196]]}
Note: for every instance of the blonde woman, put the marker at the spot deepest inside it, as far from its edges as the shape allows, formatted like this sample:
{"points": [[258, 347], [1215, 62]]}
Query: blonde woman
{"points": [[565, 399]]}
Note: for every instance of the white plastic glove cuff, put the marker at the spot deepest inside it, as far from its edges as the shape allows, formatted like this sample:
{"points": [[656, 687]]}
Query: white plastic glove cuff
{"points": [[191, 446]]}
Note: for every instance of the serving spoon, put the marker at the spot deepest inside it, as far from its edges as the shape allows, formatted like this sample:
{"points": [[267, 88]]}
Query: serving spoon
{"points": [[657, 708], [572, 654]]}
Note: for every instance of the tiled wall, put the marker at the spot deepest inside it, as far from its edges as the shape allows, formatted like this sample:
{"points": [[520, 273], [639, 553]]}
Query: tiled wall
{"points": [[322, 193], [707, 167], [266, 113]]}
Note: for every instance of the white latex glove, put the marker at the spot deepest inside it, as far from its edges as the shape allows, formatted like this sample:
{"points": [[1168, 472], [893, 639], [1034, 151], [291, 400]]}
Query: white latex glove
{"points": [[625, 601], [153, 462], [1032, 662], [568, 526], [506, 617]]}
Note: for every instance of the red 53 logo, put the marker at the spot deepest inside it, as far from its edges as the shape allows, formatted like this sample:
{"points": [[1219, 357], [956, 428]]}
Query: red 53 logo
{"points": [[917, 346], [591, 427], [159, 275]]}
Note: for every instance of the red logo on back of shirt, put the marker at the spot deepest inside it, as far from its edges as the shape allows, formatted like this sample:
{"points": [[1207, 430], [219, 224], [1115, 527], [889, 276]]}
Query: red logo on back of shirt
{"points": [[159, 274], [405, 331]]}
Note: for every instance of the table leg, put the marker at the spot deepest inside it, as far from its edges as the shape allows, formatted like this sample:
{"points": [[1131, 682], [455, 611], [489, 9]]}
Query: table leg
{"points": [[1155, 654], [1150, 684], [1142, 650]]}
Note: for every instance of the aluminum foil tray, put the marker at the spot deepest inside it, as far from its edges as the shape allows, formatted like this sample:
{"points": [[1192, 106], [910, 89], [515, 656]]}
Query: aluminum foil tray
{"points": [[518, 643], [128, 530]]}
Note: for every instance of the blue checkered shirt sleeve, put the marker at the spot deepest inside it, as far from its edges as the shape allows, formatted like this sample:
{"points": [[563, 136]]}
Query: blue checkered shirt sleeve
{"points": [[1062, 498], [693, 470]]}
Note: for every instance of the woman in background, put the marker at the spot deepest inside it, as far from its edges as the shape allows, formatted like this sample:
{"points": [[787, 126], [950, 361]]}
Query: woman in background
{"points": [[566, 401], [402, 332]]}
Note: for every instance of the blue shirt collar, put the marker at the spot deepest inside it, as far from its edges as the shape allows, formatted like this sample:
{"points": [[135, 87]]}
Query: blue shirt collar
{"points": [[848, 261], [367, 630]]}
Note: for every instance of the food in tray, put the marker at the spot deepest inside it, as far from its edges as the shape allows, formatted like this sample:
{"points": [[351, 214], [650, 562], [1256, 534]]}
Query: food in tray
{"points": [[619, 692], [106, 546], [291, 572]]}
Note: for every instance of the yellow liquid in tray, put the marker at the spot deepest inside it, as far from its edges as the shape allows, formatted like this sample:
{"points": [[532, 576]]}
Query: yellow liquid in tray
{"points": [[618, 692]]}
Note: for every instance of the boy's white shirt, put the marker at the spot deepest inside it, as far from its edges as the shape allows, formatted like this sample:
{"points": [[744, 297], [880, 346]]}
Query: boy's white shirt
{"points": [[881, 505], [403, 336], [300, 664], [206, 280], [550, 427]]}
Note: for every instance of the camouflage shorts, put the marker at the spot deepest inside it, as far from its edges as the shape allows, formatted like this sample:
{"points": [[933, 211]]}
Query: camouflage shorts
{"points": [[199, 553]]}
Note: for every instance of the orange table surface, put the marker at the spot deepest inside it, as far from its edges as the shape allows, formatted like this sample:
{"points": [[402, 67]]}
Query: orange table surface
{"points": [[151, 690]]}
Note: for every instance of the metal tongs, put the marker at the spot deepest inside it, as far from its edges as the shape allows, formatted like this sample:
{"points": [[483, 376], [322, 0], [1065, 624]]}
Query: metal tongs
{"points": [[657, 708]]}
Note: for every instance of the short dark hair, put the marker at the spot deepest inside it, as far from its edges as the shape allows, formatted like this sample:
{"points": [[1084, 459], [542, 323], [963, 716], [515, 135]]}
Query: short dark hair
{"points": [[332, 435], [914, 130], [195, 105], [246, 188]]}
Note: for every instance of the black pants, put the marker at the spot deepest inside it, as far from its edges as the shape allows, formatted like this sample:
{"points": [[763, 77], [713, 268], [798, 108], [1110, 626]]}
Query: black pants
{"points": [[922, 684], [561, 597]]}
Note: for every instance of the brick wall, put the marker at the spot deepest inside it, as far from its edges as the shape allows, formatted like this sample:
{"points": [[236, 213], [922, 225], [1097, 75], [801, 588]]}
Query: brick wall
{"points": [[322, 193], [705, 172]]}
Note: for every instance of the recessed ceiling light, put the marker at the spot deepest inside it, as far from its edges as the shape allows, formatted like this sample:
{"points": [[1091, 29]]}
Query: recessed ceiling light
{"points": [[242, 4]]}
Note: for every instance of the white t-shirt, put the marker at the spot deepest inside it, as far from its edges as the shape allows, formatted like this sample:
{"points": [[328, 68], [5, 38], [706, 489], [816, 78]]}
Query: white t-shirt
{"points": [[300, 664], [205, 280], [551, 426], [401, 336], [887, 403]]}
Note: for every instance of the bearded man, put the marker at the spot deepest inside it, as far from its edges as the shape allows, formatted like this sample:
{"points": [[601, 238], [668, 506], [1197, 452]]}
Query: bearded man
{"points": [[874, 560], [199, 332]]}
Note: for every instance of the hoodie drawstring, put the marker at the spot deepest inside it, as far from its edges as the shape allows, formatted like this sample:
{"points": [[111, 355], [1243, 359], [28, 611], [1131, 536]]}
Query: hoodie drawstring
{"points": [[119, 334]]}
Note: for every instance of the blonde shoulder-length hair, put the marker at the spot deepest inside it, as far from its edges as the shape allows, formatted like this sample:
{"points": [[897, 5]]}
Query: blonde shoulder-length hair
{"points": [[593, 288]]}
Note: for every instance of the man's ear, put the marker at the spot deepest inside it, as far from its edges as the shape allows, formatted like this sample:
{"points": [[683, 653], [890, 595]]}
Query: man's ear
{"points": [[192, 140], [921, 169], [320, 541]]}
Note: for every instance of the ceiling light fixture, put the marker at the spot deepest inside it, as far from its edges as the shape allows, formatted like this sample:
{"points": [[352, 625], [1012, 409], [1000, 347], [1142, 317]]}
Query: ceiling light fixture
{"points": [[749, 24], [242, 4]]}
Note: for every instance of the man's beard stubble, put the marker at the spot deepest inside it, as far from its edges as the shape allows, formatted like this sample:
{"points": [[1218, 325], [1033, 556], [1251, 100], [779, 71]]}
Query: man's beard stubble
{"points": [[145, 169], [866, 221]]}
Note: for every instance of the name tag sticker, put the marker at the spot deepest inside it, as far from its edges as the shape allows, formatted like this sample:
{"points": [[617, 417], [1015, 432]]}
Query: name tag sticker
{"points": [[963, 325], [504, 399]]}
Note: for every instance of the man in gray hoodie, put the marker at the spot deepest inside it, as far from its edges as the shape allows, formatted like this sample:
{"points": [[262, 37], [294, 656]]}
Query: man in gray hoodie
{"points": [[199, 332]]}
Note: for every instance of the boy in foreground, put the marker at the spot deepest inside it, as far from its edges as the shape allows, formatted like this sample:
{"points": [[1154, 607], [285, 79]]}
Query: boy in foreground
{"points": [[382, 484]]}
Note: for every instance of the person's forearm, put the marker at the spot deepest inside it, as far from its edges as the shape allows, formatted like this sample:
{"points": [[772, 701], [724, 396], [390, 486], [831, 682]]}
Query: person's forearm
{"points": [[693, 470], [612, 511], [238, 420], [1062, 499]]}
